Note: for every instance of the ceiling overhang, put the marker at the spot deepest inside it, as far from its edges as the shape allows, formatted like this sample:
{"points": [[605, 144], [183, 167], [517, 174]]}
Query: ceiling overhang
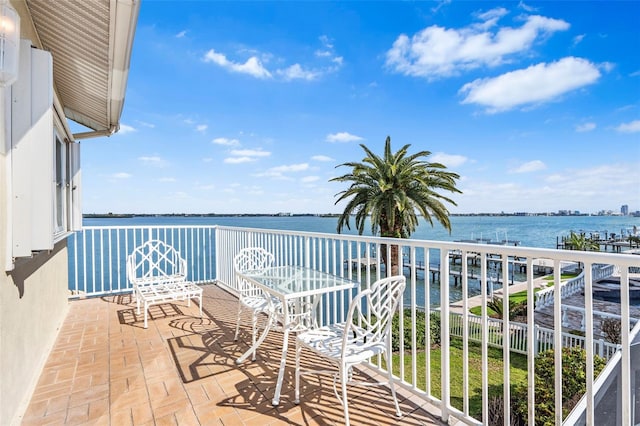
{"points": [[91, 42]]}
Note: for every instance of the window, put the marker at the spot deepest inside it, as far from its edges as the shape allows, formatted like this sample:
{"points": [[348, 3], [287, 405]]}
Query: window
{"points": [[61, 171], [44, 178]]}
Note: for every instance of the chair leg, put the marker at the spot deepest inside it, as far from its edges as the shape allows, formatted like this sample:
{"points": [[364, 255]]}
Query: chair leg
{"points": [[254, 326], [296, 399], [344, 374], [392, 386], [235, 338]]}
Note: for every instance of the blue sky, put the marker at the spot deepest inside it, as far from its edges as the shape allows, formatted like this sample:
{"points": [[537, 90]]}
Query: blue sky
{"points": [[248, 107]]}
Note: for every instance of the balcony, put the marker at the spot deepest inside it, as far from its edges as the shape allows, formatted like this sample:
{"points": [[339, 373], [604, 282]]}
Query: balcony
{"points": [[107, 369]]}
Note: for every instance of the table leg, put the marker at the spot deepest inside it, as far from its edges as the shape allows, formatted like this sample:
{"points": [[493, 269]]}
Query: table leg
{"points": [[263, 336], [283, 363]]}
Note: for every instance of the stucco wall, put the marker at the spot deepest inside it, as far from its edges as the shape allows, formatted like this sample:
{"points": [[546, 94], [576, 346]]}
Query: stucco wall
{"points": [[33, 304]]}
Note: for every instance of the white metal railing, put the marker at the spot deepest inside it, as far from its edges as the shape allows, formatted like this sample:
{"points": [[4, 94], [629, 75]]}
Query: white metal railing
{"points": [[98, 254], [576, 309], [572, 286], [96, 266], [545, 297]]}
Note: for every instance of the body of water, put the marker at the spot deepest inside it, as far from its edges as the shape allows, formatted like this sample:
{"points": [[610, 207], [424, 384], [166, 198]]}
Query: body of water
{"points": [[530, 231]]}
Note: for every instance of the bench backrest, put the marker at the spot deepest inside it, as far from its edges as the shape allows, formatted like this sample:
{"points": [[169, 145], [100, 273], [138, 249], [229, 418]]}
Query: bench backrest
{"points": [[155, 262]]}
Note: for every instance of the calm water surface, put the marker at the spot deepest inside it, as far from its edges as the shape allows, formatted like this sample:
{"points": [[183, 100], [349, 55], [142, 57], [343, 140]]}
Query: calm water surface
{"points": [[531, 231]]}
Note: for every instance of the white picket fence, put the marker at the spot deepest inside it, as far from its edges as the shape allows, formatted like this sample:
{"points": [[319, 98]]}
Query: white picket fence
{"points": [[543, 337]]}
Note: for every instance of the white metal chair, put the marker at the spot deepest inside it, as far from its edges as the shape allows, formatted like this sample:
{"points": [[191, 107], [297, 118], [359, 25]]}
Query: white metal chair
{"points": [[158, 274], [251, 297], [364, 334]]}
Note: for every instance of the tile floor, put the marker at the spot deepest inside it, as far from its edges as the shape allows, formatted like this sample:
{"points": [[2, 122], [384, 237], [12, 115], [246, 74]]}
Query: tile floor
{"points": [[105, 369]]}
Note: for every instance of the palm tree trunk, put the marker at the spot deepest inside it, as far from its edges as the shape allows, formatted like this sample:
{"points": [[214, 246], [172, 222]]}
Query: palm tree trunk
{"points": [[394, 267]]}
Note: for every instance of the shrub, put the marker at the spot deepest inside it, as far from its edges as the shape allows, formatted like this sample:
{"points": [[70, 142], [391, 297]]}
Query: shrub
{"points": [[435, 328], [612, 329], [496, 412], [573, 384], [420, 330]]}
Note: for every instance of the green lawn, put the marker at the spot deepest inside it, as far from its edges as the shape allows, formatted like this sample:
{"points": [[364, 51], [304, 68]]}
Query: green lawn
{"points": [[495, 366], [563, 277], [518, 297]]}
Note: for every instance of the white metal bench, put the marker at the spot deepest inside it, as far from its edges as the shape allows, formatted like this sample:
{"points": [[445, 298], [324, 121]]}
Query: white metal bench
{"points": [[158, 274]]}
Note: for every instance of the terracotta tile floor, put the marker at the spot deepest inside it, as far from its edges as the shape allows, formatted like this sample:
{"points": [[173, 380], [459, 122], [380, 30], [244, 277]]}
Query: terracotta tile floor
{"points": [[105, 369]]}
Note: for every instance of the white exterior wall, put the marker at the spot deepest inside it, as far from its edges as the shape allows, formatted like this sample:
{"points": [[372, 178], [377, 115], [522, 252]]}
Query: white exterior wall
{"points": [[33, 298], [33, 305]]}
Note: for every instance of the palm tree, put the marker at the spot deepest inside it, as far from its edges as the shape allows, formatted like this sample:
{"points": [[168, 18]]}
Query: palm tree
{"points": [[392, 190], [581, 242]]}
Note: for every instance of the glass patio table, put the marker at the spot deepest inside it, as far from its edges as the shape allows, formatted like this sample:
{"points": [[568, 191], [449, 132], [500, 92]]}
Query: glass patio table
{"points": [[293, 287]]}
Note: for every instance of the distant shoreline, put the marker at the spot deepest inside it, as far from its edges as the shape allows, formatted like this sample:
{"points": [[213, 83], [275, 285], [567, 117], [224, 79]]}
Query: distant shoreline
{"points": [[131, 215]]}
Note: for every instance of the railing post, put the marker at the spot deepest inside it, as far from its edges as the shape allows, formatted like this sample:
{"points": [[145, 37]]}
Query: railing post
{"points": [[307, 252], [444, 331]]}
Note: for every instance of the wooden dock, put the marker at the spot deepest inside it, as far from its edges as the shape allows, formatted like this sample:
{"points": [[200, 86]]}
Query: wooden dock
{"points": [[363, 262]]}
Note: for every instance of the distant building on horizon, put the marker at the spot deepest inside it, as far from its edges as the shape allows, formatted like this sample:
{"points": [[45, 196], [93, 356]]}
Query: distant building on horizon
{"points": [[624, 210]]}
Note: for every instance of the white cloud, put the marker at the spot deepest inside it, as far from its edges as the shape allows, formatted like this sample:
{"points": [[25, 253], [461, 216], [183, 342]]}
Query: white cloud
{"points": [[536, 84], [585, 127], [630, 127], [323, 158], [296, 72], [121, 175], [441, 3], [239, 156], [226, 141], [326, 41], [207, 159], [343, 137], [596, 181], [577, 39], [607, 66], [578, 188], [310, 179], [181, 34], [526, 7], [280, 171], [239, 160], [124, 129], [250, 153], [436, 51], [153, 160], [448, 160], [201, 128], [528, 167], [328, 52], [145, 124], [290, 168], [253, 66]]}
